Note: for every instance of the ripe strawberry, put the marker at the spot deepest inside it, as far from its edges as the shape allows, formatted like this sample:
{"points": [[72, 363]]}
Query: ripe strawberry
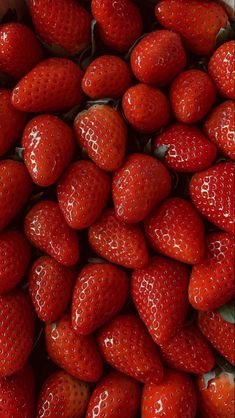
{"points": [[15, 189], [221, 68], [187, 148], [159, 292], [48, 148], [212, 192], [50, 287], [119, 23], [117, 396], [54, 85], [62, 396], [146, 108], [64, 23], [212, 281], [197, 21], [47, 230], [126, 345], [16, 330], [83, 193], [219, 127], [192, 94], [175, 229], [76, 354], [101, 131], [158, 57], [118, 243], [100, 293], [139, 185], [175, 397], [106, 76]]}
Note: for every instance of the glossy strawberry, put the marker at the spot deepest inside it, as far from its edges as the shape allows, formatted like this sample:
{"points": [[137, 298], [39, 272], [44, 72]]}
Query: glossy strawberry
{"points": [[221, 68]]}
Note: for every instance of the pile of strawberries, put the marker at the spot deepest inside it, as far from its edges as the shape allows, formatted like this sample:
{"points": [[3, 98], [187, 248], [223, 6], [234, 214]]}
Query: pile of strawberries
{"points": [[116, 209]]}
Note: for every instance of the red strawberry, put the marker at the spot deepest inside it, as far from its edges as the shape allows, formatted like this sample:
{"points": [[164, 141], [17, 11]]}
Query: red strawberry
{"points": [[50, 287], [138, 186], [47, 230], [54, 85], [62, 396], [146, 108], [187, 148], [212, 281], [106, 76], [219, 127], [197, 21], [126, 345], [212, 192], [101, 131], [15, 189], [83, 193], [119, 243], [192, 95], [119, 23], [100, 293], [16, 330], [159, 292], [115, 396], [158, 57], [175, 229], [78, 355], [64, 23], [175, 397], [222, 69], [15, 255]]}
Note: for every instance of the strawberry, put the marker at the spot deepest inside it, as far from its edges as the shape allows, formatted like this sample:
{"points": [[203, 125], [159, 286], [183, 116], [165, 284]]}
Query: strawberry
{"points": [[76, 354], [83, 193], [50, 287], [139, 185], [54, 85], [48, 148], [119, 23], [15, 189], [192, 94], [146, 108], [159, 292], [158, 57], [212, 281], [118, 243], [175, 229], [15, 255], [221, 68], [65, 23], [16, 331], [175, 397], [102, 133], [197, 21], [126, 345], [100, 293], [47, 230], [115, 396], [106, 76], [219, 127], [212, 192], [62, 396], [187, 148]]}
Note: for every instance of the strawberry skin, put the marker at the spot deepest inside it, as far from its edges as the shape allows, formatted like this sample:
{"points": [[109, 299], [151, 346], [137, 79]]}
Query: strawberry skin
{"points": [[188, 149], [175, 229], [83, 193], [159, 292], [126, 345], [118, 243], [221, 68], [139, 185], [115, 396]]}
